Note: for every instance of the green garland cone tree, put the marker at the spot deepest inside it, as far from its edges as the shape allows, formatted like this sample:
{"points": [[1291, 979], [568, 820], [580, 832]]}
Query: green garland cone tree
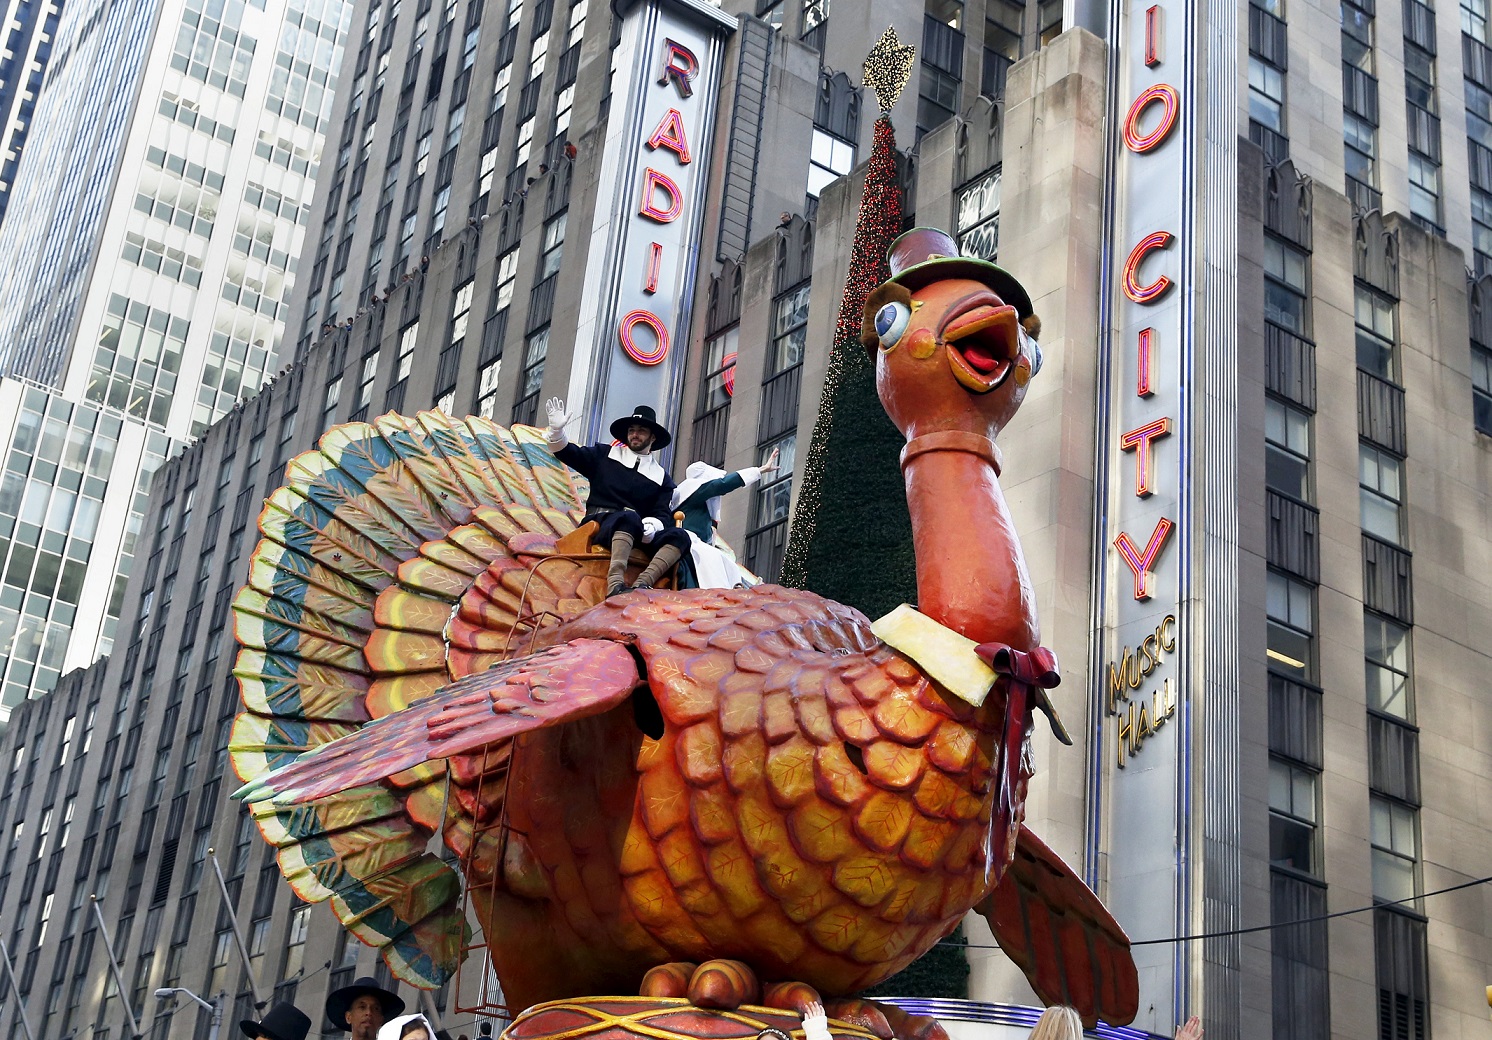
{"points": [[852, 535]]}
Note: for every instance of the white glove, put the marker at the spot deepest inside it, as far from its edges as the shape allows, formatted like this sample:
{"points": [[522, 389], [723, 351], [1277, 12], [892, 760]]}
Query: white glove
{"points": [[816, 1023], [651, 526], [558, 420], [558, 417]]}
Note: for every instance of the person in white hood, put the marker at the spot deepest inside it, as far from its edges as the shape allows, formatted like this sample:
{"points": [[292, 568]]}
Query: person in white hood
{"points": [[698, 498], [407, 1027]]}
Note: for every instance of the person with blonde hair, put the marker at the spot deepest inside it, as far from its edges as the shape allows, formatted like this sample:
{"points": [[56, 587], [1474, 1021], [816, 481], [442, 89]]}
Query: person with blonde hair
{"points": [[1058, 1022]]}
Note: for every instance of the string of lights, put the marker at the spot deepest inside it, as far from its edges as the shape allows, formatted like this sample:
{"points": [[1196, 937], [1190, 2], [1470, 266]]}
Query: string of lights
{"points": [[877, 225], [1267, 927]]}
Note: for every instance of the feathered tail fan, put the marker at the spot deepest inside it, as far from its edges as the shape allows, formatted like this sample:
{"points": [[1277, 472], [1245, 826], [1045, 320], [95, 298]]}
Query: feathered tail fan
{"points": [[393, 562]]}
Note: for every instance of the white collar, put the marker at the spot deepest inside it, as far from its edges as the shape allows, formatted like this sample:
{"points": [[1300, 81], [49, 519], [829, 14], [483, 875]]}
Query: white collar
{"points": [[647, 465], [942, 653]]}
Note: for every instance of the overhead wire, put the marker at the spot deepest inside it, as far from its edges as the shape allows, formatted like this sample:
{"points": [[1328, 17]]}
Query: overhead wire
{"points": [[1266, 927]]}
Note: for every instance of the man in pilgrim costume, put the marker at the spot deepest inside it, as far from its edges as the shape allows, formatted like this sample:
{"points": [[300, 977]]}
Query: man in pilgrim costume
{"points": [[630, 492], [698, 498], [281, 1022], [362, 1008]]}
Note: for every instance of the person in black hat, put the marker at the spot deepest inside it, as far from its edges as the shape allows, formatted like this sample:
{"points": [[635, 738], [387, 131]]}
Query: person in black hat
{"points": [[281, 1022], [630, 492], [362, 1008]]}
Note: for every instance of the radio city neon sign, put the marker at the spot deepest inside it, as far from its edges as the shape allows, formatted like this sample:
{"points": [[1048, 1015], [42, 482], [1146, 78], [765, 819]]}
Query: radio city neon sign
{"points": [[1158, 106], [662, 201]]}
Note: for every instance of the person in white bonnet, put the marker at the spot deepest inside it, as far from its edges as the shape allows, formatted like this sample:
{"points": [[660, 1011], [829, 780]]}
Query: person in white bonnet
{"points": [[698, 498], [407, 1027]]}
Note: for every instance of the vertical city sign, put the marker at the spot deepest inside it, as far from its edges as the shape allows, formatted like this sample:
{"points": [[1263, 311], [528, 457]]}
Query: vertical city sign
{"points": [[631, 343], [1138, 747]]}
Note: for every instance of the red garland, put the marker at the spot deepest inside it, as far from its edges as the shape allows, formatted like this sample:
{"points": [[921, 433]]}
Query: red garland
{"points": [[877, 225]]}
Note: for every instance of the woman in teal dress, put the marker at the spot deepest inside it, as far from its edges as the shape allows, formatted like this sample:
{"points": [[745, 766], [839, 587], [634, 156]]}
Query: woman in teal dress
{"points": [[698, 498]]}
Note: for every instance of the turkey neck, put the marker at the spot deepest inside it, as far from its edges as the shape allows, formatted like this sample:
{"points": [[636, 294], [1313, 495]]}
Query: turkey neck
{"points": [[971, 574]]}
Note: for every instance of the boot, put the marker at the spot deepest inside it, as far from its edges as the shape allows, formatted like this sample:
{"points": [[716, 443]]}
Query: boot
{"points": [[616, 573], [663, 559]]}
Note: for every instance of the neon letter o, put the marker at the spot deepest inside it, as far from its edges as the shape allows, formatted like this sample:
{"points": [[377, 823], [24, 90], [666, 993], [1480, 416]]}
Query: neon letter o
{"points": [[629, 343], [1134, 140]]}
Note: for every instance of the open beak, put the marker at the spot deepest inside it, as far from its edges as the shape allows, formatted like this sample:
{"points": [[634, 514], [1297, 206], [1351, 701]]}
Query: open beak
{"points": [[982, 338]]}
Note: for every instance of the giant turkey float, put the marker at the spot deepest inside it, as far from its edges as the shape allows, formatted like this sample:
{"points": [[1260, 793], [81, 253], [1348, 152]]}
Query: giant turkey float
{"points": [[673, 812]]}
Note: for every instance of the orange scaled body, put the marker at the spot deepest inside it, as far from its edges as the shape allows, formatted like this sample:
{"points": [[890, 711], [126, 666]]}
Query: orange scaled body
{"points": [[810, 804]]}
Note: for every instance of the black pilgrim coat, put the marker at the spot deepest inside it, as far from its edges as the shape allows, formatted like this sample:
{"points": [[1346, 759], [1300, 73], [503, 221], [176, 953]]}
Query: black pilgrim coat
{"points": [[615, 486]]}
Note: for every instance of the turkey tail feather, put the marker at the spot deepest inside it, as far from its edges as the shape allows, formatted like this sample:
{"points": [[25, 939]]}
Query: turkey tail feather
{"points": [[379, 536]]}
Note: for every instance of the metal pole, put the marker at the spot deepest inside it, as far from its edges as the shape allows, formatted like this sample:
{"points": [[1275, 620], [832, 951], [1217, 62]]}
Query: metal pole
{"points": [[124, 994], [217, 1015], [243, 949], [21, 1004]]}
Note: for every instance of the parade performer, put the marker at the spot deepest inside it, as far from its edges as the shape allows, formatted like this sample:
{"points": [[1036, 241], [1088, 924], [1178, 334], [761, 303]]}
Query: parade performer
{"points": [[362, 1008], [281, 1022], [630, 492], [407, 1027], [698, 498]]}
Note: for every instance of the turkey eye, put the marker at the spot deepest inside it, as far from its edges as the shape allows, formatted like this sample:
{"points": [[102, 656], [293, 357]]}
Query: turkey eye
{"points": [[891, 323]]}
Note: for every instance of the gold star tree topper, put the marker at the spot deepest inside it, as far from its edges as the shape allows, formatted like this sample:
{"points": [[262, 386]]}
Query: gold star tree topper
{"points": [[888, 67]]}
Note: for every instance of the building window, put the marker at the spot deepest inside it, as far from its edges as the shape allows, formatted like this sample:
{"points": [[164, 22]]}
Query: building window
{"points": [[789, 330], [1048, 20], [535, 352], [937, 98], [1285, 285], [1287, 460], [1386, 655], [978, 217], [460, 312], [719, 381], [1395, 840], [507, 276], [829, 159], [329, 406], [487, 389], [1266, 95], [1357, 37], [554, 246], [407, 341], [1403, 972], [1290, 606], [1481, 387], [1374, 315], [1380, 495], [1474, 20], [1361, 139], [1292, 816], [1424, 190], [766, 541], [365, 385]]}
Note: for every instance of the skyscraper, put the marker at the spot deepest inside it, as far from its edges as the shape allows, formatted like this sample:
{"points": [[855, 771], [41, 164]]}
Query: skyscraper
{"points": [[149, 253], [26, 41]]}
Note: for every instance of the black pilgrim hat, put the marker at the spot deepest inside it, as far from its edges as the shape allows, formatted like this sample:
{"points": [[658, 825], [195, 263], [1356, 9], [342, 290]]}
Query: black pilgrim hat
{"points": [[281, 1022], [339, 1000], [642, 415]]}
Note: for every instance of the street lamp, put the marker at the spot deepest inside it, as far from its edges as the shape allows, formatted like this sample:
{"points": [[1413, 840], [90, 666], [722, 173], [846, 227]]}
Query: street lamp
{"points": [[215, 1006]]}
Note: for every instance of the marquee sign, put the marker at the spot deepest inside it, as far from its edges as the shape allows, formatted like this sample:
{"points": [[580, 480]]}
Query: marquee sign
{"points": [[644, 247], [1138, 758]]}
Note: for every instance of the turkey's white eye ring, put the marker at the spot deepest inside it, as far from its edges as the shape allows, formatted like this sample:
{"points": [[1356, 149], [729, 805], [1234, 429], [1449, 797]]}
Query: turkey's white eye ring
{"points": [[891, 323]]}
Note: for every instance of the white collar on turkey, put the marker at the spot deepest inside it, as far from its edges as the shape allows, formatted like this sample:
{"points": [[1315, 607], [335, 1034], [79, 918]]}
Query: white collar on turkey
{"points": [[942, 653], [647, 464]]}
